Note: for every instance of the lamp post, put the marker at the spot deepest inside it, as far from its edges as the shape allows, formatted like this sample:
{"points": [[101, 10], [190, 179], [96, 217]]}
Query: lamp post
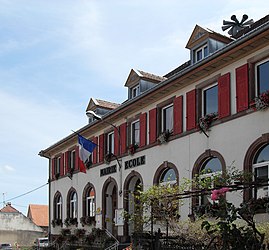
{"points": [[91, 113]]}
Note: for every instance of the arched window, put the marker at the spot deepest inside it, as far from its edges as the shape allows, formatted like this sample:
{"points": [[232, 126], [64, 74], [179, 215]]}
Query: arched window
{"points": [[168, 176], [260, 171], [58, 206], [209, 164], [211, 167], [90, 203], [72, 204]]}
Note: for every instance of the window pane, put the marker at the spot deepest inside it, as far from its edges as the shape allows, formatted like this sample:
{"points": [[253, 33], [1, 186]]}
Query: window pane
{"points": [[168, 119], [199, 55], [168, 175], [262, 155], [211, 100], [205, 51], [135, 132], [110, 143], [262, 77], [212, 165]]}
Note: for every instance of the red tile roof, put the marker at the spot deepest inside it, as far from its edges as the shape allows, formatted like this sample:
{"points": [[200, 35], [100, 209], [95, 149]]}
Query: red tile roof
{"points": [[39, 214], [8, 209]]}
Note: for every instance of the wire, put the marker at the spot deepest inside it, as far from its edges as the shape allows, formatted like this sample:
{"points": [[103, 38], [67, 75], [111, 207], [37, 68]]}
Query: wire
{"points": [[27, 192]]}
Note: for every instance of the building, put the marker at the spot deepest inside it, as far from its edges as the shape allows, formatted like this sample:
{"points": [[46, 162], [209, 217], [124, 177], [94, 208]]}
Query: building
{"points": [[39, 214], [17, 228], [161, 133]]}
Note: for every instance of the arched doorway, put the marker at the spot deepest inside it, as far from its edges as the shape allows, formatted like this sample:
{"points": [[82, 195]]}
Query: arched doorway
{"points": [[133, 184], [109, 205]]}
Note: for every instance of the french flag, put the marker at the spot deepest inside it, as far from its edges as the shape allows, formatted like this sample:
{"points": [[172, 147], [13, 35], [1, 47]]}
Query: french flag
{"points": [[86, 148]]}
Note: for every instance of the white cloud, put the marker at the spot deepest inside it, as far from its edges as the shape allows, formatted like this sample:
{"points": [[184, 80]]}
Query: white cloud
{"points": [[6, 169]]}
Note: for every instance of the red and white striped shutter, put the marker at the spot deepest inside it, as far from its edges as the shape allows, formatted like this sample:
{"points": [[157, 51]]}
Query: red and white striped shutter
{"points": [[143, 129], [191, 109], [224, 96], [152, 125], [178, 114], [242, 98]]}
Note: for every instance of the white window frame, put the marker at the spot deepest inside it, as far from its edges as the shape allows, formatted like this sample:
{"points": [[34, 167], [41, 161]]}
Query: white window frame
{"points": [[202, 49], [203, 97], [256, 75], [169, 183], [135, 91], [72, 159], [90, 201], [133, 140], [163, 121], [58, 209], [73, 205], [261, 191], [110, 141]]}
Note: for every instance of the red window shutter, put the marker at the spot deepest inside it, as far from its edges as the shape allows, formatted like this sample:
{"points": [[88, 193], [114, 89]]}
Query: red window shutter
{"points": [[242, 88], [178, 114], [224, 97], [67, 161], [116, 141], [77, 158], [123, 137], [95, 151], [143, 129], [53, 168], [152, 125], [62, 165], [191, 109], [101, 147]]}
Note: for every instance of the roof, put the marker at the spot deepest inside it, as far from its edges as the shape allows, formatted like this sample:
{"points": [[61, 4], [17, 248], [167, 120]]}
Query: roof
{"points": [[8, 209], [39, 214], [94, 103], [135, 75]]}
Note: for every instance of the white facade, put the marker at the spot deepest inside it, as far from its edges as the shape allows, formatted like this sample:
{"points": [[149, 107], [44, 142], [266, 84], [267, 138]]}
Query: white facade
{"points": [[232, 137]]}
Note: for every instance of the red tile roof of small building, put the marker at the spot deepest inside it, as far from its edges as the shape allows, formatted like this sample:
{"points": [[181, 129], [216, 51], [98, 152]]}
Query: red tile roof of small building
{"points": [[8, 209], [39, 214]]}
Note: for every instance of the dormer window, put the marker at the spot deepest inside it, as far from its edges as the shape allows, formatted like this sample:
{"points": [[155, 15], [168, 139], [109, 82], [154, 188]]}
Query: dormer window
{"points": [[201, 53], [135, 91]]}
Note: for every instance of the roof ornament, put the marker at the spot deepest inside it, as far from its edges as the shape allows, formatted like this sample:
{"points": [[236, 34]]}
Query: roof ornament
{"points": [[235, 26]]}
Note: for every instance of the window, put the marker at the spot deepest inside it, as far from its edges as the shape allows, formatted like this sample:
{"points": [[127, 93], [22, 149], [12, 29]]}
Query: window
{"points": [[210, 168], [262, 76], [110, 143], [167, 118], [58, 207], [57, 166], [72, 159], [135, 91], [168, 176], [210, 100], [201, 53], [135, 132], [260, 170], [73, 205], [90, 203]]}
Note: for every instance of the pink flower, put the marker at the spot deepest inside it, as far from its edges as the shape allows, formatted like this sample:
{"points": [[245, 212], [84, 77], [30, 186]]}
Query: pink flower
{"points": [[216, 193]]}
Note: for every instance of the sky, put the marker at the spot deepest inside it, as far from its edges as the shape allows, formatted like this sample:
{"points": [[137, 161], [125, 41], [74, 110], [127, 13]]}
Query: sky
{"points": [[57, 54]]}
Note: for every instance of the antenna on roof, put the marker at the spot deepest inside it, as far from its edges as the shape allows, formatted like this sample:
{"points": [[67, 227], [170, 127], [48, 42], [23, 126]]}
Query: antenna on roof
{"points": [[235, 26]]}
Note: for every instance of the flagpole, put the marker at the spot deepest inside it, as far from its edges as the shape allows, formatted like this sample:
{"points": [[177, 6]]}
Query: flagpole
{"points": [[91, 113]]}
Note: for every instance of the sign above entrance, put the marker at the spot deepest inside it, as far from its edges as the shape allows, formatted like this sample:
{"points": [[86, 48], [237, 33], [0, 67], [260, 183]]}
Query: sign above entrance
{"points": [[108, 170], [135, 162]]}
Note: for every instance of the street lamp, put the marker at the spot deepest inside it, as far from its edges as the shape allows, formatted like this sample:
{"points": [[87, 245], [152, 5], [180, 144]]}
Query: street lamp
{"points": [[91, 113]]}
